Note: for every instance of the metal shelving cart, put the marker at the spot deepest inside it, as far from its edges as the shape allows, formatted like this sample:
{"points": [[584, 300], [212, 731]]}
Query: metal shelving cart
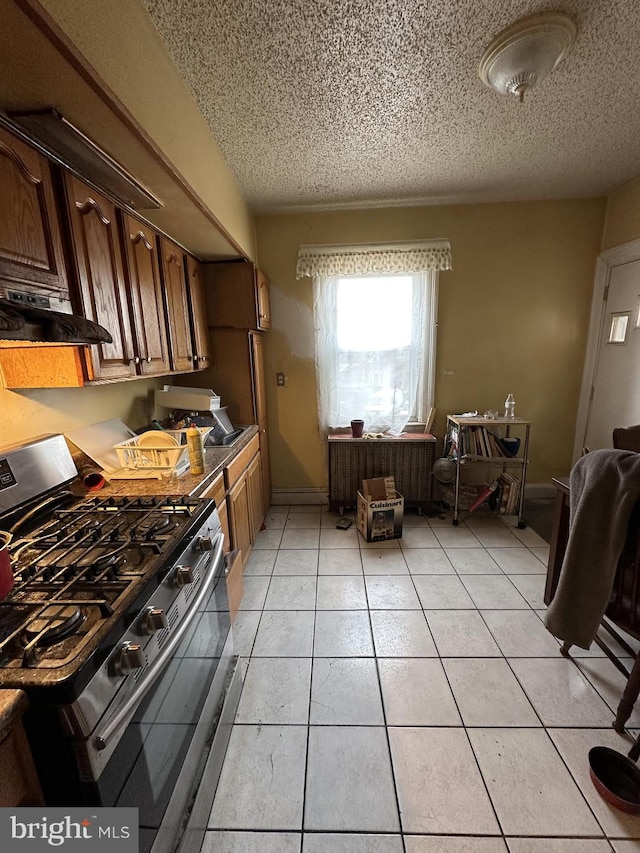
{"points": [[458, 427]]}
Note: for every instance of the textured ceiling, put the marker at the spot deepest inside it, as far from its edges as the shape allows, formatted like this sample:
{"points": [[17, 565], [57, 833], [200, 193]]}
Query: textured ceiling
{"points": [[339, 103]]}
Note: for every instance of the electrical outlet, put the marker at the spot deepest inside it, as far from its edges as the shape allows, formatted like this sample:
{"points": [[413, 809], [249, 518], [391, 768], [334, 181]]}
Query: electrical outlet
{"points": [[281, 379]]}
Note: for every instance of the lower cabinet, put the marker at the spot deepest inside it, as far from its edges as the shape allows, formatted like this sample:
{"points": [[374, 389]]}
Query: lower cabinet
{"points": [[239, 496], [245, 501], [218, 492], [235, 583], [239, 523], [19, 784], [255, 497]]}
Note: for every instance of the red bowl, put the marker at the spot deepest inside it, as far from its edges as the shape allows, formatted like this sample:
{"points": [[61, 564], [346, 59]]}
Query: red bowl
{"points": [[616, 778]]}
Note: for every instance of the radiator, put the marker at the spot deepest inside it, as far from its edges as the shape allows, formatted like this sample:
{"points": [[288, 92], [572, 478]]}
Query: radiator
{"points": [[408, 458]]}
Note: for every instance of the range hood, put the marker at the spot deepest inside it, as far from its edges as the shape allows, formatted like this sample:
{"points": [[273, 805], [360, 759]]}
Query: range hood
{"points": [[28, 317], [60, 139]]}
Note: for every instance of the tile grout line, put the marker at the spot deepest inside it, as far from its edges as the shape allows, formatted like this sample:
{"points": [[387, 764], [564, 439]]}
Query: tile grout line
{"points": [[306, 756], [544, 727], [530, 606], [384, 716], [473, 752]]}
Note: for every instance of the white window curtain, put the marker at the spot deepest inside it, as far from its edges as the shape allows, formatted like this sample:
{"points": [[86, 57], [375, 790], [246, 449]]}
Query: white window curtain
{"points": [[364, 368]]}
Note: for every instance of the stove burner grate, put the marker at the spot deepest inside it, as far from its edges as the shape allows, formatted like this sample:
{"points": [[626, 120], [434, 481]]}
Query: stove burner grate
{"points": [[54, 623]]}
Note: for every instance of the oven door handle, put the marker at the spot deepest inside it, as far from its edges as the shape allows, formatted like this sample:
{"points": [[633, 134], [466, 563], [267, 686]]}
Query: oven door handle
{"points": [[121, 716]]}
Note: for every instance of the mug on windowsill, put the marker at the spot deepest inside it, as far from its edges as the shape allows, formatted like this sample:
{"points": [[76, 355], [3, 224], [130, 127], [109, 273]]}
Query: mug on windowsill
{"points": [[357, 428]]}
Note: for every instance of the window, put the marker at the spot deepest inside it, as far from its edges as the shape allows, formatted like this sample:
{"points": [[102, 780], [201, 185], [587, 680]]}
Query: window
{"points": [[375, 309], [375, 348], [618, 328]]}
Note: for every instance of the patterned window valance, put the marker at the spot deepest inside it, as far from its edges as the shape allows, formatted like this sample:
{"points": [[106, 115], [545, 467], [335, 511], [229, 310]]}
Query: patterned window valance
{"points": [[374, 258]]}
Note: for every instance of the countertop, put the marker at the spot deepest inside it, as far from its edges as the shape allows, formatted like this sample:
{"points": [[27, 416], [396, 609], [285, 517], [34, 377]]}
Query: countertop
{"points": [[215, 460], [13, 704]]}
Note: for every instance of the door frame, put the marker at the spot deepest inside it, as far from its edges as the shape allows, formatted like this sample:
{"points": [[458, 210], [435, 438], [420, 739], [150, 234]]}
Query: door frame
{"points": [[605, 262]]}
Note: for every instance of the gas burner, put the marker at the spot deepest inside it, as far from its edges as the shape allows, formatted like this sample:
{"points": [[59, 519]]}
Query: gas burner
{"points": [[153, 524], [54, 623]]}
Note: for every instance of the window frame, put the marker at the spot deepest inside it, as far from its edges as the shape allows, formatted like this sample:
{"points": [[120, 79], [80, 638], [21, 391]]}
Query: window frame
{"points": [[425, 396]]}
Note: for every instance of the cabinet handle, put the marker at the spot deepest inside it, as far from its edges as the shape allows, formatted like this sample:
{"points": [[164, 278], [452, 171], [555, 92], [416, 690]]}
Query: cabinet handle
{"points": [[204, 358], [194, 359], [149, 359], [134, 360]]}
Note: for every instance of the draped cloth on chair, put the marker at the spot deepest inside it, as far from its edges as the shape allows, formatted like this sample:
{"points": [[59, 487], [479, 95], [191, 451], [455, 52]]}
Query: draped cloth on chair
{"points": [[605, 485]]}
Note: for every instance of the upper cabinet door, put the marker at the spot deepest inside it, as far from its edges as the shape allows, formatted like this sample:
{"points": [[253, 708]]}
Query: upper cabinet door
{"points": [[238, 297], [30, 241], [202, 354], [175, 285], [143, 268], [97, 254], [262, 299]]}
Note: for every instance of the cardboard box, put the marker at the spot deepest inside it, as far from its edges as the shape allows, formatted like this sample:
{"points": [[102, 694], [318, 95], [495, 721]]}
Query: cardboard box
{"points": [[380, 510]]}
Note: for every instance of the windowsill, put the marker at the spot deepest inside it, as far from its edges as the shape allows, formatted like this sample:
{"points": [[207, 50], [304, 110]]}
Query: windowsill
{"points": [[410, 428]]}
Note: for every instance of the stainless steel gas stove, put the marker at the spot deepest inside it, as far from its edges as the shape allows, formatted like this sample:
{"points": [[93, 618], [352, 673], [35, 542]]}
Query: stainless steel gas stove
{"points": [[118, 628]]}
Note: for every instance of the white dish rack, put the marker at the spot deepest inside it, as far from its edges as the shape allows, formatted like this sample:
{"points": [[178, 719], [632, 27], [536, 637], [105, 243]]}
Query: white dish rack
{"points": [[160, 458]]}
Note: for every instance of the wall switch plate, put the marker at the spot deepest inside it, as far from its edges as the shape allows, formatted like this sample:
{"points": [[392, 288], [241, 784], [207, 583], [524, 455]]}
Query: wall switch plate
{"points": [[281, 379]]}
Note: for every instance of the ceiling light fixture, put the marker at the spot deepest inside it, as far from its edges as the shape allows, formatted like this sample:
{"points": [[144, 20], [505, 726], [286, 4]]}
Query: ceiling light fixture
{"points": [[523, 54]]}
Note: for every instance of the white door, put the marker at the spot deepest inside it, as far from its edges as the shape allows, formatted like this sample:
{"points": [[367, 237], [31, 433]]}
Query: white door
{"points": [[615, 398]]}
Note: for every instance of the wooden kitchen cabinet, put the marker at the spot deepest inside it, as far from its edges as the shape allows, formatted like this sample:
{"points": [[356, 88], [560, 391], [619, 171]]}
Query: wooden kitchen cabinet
{"points": [[117, 269], [243, 478], [254, 494], [102, 288], [262, 296], [217, 491], [237, 373], [175, 284], [145, 289], [238, 296], [31, 248], [122, 275], [239, 521], [235, 582], [198, 302], [19, 785], [232, 375], [260, 406]]}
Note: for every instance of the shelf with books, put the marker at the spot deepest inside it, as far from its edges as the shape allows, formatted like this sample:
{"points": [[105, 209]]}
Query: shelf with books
{"points": [[480, 440]]}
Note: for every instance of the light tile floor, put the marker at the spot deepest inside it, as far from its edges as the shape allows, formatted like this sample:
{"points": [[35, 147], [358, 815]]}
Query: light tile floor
{"points": [[407, 698]]}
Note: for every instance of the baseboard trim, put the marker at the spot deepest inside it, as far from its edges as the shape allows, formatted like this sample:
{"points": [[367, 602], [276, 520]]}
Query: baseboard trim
{"points": [[299, 496], [537, 491]]}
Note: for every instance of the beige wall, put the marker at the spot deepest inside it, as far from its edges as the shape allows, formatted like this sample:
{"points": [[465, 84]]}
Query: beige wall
{"points": [[25, 414], [622, 222], [513, 317]]}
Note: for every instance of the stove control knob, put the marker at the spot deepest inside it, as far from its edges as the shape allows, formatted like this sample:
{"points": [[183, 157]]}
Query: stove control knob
{"points": [[204, 543], [129, 656], [183, 575], [153, 619]]}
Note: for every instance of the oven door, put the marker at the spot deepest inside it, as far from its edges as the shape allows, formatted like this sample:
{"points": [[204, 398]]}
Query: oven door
{"points": [[162, 740]]}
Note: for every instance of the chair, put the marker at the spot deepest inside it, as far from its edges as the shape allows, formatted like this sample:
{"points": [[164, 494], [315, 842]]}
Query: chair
{"points": [[627, 589], [627, 438]]}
